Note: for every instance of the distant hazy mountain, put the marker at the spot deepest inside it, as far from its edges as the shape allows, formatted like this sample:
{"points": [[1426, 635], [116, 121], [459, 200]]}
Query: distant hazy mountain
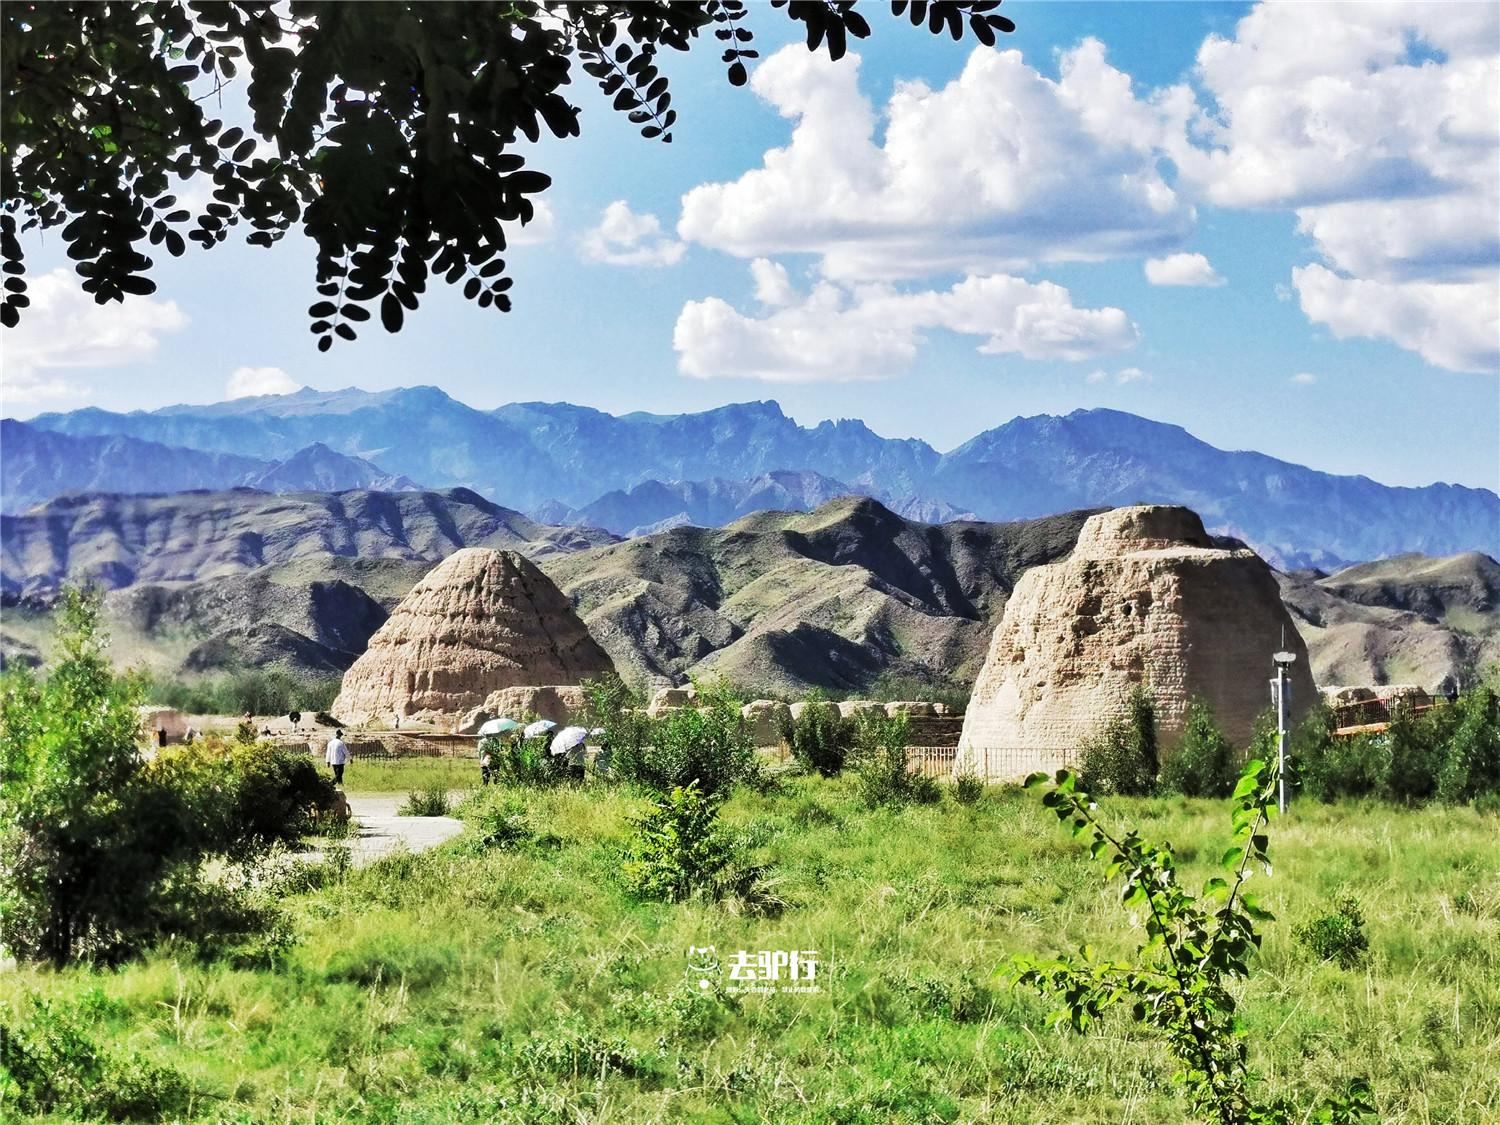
{"points": [[118, 541], [569, 457], [37, 465], [655, 506]]}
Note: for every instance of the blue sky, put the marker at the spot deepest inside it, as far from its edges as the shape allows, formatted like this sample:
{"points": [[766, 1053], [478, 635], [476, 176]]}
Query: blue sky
{"points": [[938, 238]]}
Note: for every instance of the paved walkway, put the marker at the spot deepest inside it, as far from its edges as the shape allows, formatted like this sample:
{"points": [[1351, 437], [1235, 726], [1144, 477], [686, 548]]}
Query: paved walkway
{"points": [[381, 831]]}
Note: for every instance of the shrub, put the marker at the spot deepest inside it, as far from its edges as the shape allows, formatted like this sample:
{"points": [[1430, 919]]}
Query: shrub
{"points": [[432, 801], [496, 818], [1122, 758], [1204, 763], [885, 775], [1416, 746], [968, 789], [820, 739], [1337, 936], [680, 851], [49, 1064], [708, 746], [1470, 770], [105, 852], [1329, 768], [524, 761]]}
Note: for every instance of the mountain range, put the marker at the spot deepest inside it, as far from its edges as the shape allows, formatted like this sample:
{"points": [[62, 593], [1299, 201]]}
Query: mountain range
{"points": [[839, 598], [643, 471], [37, 465]]}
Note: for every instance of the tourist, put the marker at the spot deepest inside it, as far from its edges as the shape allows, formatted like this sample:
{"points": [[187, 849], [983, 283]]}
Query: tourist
{"points": [[337, 756], [486, 762]]}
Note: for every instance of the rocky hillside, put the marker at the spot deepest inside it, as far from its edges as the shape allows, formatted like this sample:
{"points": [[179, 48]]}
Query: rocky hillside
{"points": [[1410, 619], [833, 598], [837, 597], [567, 457], [119, 541], [37, 465]]}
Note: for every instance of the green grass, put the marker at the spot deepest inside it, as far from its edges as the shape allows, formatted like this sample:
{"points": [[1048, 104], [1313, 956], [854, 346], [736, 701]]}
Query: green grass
{"points": [[522, 984], [402, 775]]}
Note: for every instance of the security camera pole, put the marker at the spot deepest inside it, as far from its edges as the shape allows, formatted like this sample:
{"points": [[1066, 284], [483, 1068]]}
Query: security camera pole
{"points": [[1280, 690]]}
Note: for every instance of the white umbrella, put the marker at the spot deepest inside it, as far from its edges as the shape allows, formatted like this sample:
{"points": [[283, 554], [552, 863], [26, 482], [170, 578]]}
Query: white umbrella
{"points": [[569, 738], [498, 726], [541, 726]]}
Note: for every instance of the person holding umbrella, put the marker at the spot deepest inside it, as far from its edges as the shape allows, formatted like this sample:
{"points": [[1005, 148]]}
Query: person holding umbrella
{"points": [[492, 729]]}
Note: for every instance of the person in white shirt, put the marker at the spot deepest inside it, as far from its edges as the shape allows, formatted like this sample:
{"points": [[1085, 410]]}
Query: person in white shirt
{"points": [[337, 756]]}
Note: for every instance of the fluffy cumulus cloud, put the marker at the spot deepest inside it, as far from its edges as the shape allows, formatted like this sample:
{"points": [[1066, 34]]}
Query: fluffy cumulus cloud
{"points": [[249, 382], [1182, 269], [624, 238], [1000, 168], [873, 330], [65, 330], [1380, 125]]}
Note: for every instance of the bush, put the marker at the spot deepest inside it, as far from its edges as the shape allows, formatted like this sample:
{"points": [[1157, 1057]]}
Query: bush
{"points": [[432, 801], [679, 851], [495, 818], [820, 739], [105, 852], [1417, 746], [885, 775], [1470, 770], [708, 746], [1122, 758], [1204, 764], [524, 761], [1339, 936], [49, 1064], [968, 789]]}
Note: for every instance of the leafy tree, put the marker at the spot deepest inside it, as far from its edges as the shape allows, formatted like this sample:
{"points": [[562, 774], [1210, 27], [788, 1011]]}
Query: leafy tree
{"points": [[104, 851], [820, 738], [386, 132], [885, 773], [707, 746], [1122, 758], [1203, 764], [1471, 768]]}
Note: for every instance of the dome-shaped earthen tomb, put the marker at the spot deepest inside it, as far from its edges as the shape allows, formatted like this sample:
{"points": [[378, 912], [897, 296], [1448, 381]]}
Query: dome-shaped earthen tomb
{"points": [[479, 621], [1145, 598]]}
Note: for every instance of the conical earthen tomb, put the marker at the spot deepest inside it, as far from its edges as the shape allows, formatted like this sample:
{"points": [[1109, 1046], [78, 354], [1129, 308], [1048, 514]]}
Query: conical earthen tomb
{"points": [[480, 621], [1145, 598]]}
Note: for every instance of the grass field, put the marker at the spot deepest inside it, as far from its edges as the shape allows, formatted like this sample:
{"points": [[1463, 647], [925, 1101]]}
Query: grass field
{"points": [[524, 985]]}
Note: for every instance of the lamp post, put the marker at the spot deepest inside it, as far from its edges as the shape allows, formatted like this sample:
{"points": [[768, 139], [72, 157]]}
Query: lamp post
{"points": [[1280, 691]]}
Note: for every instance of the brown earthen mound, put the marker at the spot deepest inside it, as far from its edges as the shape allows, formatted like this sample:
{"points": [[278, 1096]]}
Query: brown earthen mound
{"points": [[479, 622], [1145, 598]]}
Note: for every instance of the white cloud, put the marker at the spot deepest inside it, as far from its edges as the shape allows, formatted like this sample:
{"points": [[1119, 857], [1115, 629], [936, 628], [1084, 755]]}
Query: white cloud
{"points": [[1380, 125], [1451, 324], [772, 287], [250, 382], [64, 329], [624, 238], [1182, 269], [1122, 377], [542, 227], [1000, 168], [1303, 378], [840, 332]]}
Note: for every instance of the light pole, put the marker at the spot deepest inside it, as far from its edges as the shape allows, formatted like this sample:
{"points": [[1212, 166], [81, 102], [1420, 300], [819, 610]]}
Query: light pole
{"points": [[1280, 692]]}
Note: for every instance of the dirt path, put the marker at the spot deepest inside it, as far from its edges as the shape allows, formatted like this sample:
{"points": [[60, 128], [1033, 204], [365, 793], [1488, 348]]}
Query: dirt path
{"points": [[381, 831]]}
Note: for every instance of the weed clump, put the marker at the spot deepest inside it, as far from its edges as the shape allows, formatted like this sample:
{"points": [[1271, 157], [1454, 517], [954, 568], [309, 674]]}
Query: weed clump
{"points": [[1338, 936], [885, 774], [432, 801], [968, 789]]}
